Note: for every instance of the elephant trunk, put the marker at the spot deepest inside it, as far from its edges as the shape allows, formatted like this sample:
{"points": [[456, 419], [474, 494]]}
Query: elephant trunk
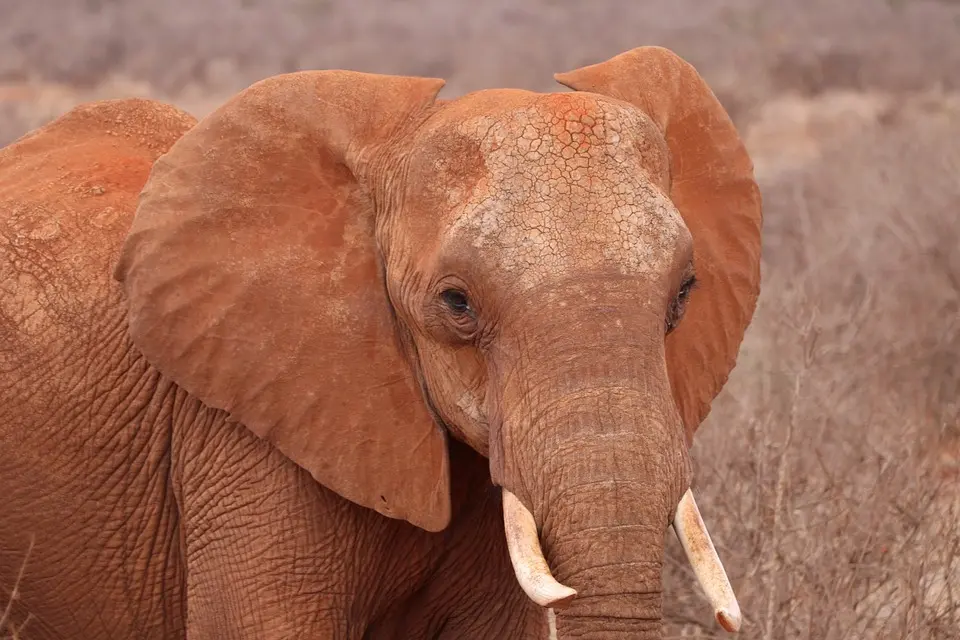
{"points": [[602, 512], [592, 459]]}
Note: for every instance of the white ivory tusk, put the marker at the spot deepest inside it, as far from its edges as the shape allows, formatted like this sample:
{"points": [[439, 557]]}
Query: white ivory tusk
{"points": [[706, 564], [530, 566]]}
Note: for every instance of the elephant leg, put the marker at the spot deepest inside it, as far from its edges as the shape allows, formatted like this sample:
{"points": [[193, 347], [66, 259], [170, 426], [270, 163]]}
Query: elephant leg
{"points": [[260, 542], [271, 553]]}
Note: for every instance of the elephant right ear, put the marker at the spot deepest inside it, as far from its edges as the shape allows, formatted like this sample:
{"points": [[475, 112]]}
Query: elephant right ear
{"points": [[254, 282], [713, 187]]}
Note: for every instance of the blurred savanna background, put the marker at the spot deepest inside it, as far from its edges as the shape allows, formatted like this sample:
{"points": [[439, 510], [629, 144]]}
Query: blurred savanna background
{"points": [[829, 469]]}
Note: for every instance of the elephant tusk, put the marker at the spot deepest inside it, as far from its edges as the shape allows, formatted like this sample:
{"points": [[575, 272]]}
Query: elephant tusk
{"points": [[706, 564], [531, 568]]}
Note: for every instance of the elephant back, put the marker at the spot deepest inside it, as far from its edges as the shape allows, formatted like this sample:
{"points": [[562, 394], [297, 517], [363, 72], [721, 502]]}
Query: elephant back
{"points": [[68, 192]]}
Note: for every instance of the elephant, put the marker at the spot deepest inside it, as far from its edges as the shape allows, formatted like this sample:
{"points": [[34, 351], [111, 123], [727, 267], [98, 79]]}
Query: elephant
{"points": [[343, 359]]}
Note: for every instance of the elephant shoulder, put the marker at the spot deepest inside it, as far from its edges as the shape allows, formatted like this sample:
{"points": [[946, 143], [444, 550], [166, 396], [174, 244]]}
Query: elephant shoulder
{"points": [[68, 191]]}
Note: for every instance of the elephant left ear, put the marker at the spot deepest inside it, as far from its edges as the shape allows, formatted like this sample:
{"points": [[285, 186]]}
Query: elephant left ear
{"points": [[713, 187], [254, 281]]}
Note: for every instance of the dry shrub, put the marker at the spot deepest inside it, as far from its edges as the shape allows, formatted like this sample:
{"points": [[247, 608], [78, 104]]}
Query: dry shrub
{"points": [[828, 472]]}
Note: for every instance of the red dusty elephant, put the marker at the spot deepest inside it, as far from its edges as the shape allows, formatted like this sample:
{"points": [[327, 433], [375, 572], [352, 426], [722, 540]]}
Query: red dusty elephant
{"points": [[345, 360]]}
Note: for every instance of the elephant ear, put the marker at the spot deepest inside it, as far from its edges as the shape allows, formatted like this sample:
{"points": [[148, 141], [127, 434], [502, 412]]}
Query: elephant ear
{"points": [[254, 281], [713, 187]]}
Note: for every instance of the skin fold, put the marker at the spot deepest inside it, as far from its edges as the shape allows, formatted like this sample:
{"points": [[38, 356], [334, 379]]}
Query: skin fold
{"points": [[264, 375]]}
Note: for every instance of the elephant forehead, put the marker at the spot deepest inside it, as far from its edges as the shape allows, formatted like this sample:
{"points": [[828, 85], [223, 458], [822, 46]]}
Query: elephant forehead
{"points": [[569, 181]]}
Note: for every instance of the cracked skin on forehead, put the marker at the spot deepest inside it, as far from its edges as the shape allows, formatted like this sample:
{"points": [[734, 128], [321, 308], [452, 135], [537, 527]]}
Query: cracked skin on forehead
{"points": [[562, 181]]}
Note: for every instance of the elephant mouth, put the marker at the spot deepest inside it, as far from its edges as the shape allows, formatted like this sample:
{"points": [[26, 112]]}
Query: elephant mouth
{"points": [[536, 580]]}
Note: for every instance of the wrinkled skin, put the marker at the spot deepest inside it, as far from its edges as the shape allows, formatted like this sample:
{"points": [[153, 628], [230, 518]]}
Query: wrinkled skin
{"points": [[279, 399]]}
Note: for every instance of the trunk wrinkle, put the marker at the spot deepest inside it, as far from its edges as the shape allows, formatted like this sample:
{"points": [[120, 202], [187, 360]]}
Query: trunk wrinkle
{"points": [[572, 626], [564, 493], [590, 531]]}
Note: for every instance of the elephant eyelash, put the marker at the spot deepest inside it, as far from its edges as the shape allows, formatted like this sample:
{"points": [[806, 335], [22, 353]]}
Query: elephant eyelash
{"points": [[688, 285]]}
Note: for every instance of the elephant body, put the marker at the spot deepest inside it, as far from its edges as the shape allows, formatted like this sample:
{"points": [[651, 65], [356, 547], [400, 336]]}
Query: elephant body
{"points": [[147, 509], [343, 360]]}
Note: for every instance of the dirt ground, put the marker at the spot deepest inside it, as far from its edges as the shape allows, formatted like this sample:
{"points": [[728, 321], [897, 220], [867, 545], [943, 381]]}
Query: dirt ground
{"points": [[830, 466]]}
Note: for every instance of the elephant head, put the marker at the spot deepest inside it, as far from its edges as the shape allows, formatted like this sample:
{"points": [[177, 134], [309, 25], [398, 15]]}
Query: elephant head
{"points": [[354, 270]]}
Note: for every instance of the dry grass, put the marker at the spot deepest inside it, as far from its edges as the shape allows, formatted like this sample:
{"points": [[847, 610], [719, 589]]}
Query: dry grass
{"points": [[828, 470], [10, 630]]}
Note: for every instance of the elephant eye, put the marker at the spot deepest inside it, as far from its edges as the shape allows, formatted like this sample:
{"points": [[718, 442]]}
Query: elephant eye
{"points": [[456, 301], [675, 313], [685, 289]]}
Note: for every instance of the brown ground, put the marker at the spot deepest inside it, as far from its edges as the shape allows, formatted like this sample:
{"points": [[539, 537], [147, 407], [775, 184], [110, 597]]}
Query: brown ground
{"points": [[830, 468]]}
